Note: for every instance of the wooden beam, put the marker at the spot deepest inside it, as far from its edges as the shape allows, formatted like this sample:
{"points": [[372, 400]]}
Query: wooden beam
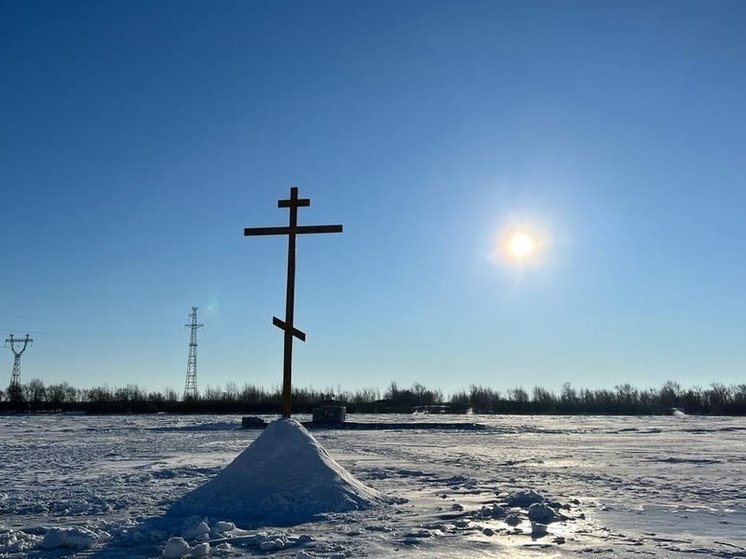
{"points": [[284, 327], [299, 230]]}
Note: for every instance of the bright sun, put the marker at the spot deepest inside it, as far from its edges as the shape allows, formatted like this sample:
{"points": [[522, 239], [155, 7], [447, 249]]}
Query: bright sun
{"points": [[521, 245]]}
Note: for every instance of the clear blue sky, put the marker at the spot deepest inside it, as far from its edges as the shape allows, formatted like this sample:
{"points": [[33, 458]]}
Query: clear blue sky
{"points": [[138, 138]]}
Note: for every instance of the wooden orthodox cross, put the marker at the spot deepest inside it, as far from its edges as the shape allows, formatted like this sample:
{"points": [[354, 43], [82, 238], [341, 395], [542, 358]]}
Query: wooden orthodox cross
{"points": [[287, 325]]}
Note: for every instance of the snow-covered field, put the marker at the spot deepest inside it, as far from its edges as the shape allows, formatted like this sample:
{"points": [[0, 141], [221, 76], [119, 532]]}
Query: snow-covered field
{"points": [[618, 487]]}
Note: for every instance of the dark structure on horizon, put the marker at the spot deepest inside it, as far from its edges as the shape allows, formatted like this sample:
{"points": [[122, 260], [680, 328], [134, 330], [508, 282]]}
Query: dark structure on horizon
{"points": [[15, 377], [190, 387], [287, 325]]}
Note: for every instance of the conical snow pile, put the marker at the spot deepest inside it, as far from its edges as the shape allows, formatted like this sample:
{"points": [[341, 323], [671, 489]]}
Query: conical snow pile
{"points": [[284, 477]]}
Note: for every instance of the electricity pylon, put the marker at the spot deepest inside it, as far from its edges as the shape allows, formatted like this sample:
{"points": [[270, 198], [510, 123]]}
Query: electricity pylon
{"points": [[15, 377], [190, 388]]}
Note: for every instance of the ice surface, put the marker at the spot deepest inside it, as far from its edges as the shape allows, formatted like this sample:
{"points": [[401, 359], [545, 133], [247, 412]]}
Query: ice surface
{"points": [[622, 487], [284, 477]]}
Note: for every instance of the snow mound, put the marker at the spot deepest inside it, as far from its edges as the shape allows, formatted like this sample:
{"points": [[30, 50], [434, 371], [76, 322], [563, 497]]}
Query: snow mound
{"points": [[524, 498], [175, 548], [541, 513], [284, 477], [75, 537], [17, 541]]}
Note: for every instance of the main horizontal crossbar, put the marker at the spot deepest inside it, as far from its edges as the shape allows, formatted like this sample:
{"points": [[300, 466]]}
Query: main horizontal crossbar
{"points": [[300, 230]]}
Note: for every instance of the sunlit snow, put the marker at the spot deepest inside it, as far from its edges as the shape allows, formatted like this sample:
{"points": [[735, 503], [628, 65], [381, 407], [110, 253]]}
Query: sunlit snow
{"points": [[528, 486]]}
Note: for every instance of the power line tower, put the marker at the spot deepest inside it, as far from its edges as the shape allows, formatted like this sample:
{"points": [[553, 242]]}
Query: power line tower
{"points": [[15, 377], [190, 388]]}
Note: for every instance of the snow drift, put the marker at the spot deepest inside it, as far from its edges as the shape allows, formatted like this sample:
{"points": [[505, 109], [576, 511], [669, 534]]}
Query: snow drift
{"points": [[284, 477]]}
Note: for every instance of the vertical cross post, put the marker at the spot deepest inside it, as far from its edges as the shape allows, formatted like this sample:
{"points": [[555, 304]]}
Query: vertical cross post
{"points": [[288, 325], [287, 362]]}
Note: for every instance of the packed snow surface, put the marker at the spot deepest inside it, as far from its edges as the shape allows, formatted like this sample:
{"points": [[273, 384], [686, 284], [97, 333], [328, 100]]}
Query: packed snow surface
{"points": [[528, 487], [284, 477]]}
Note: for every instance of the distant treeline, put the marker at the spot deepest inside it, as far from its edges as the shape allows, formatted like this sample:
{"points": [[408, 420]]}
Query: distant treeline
{"points": [[625, 399]]}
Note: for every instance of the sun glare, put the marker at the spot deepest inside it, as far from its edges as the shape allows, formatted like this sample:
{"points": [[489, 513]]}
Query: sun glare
{"points": [[521, 244]]}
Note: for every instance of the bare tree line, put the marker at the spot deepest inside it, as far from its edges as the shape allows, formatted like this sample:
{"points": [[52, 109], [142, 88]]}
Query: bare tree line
{"points": [[625, 399]]}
